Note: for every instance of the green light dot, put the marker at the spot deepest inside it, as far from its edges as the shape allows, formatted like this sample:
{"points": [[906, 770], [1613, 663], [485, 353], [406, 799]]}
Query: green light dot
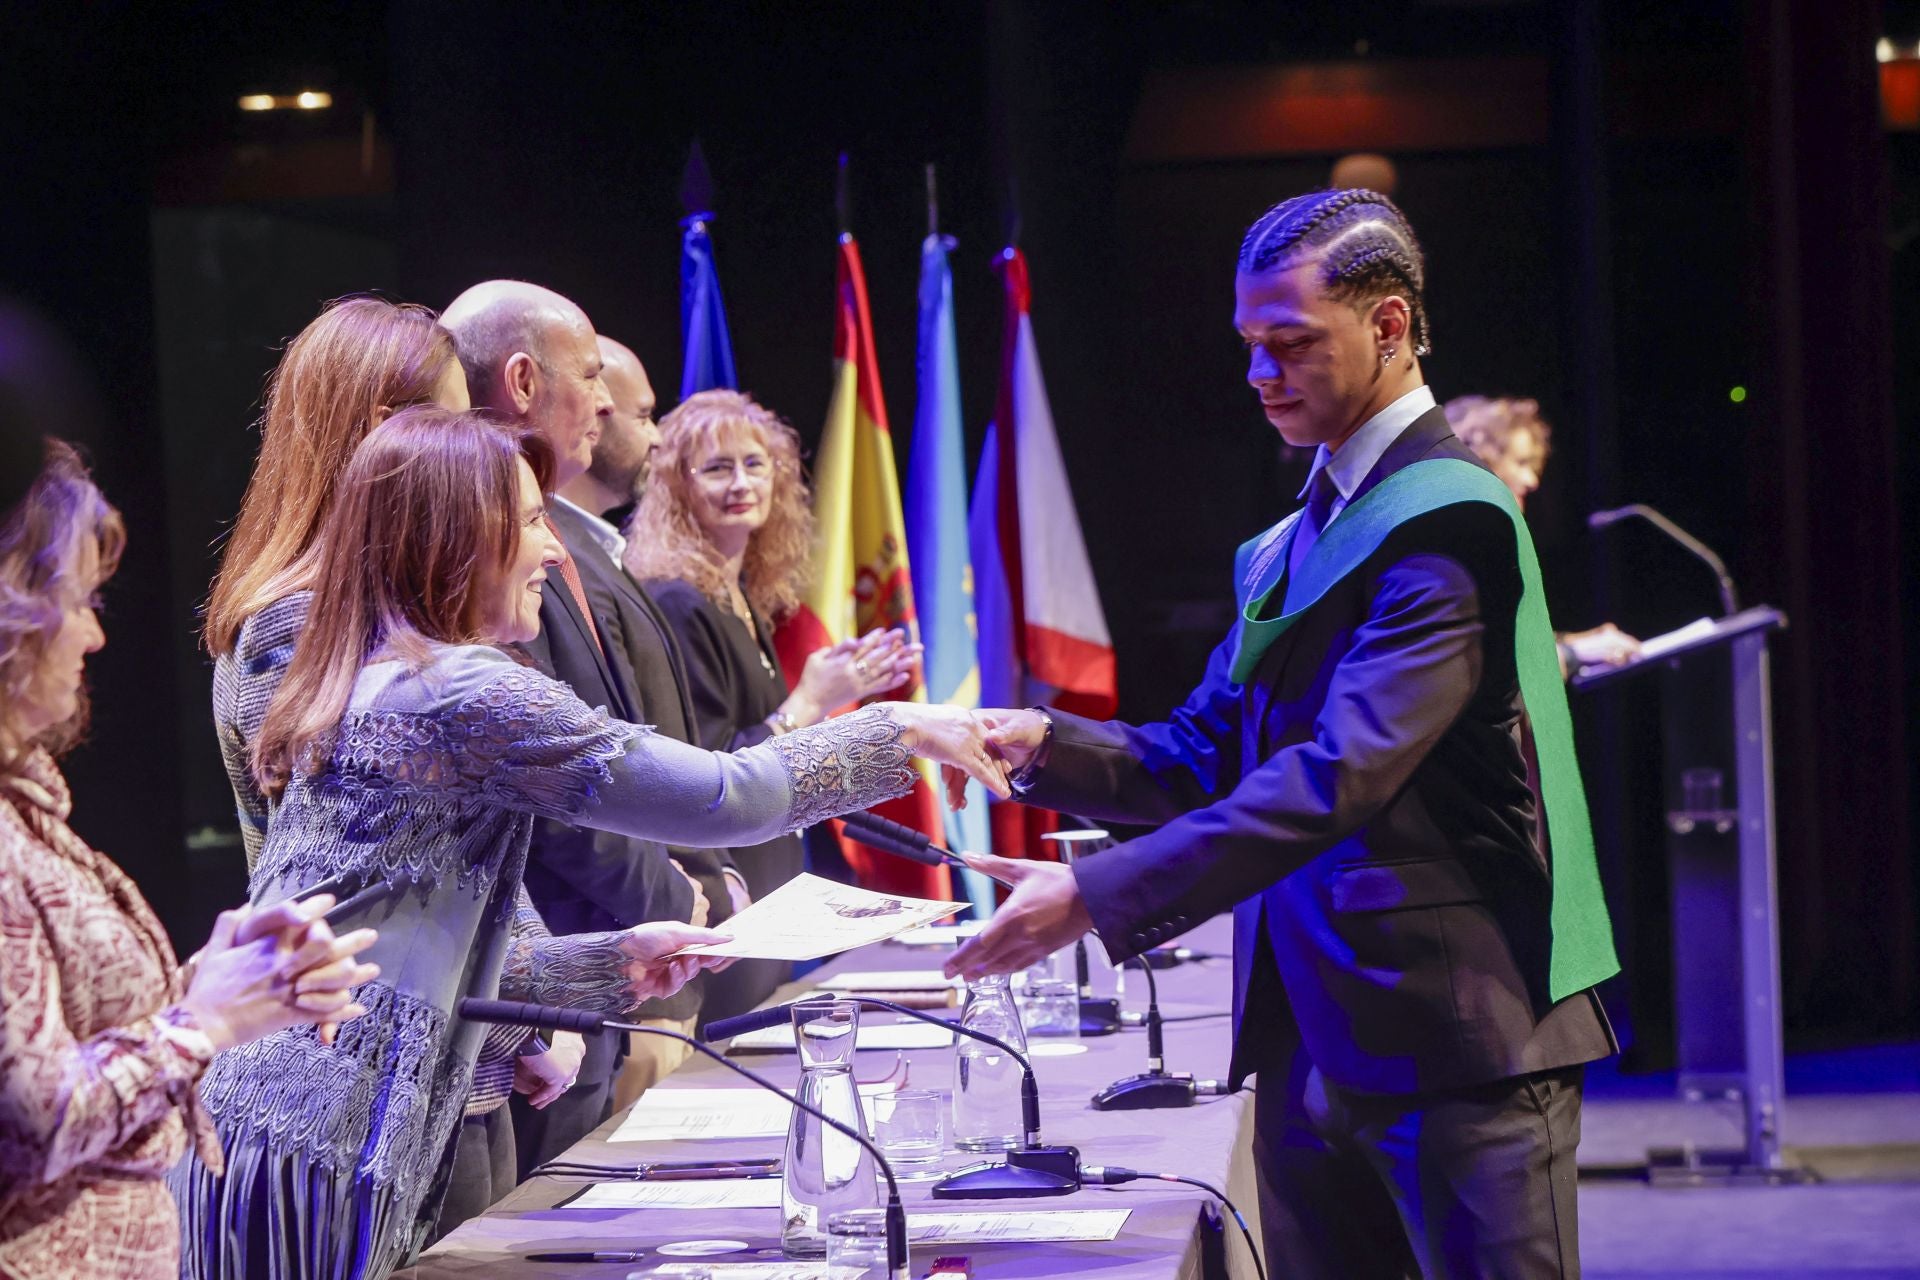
{"points": [[1738, 395]]}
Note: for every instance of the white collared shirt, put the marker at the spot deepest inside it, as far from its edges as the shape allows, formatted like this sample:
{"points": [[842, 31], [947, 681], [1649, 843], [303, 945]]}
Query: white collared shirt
{"points": [[1364, 447], [610, 539]]}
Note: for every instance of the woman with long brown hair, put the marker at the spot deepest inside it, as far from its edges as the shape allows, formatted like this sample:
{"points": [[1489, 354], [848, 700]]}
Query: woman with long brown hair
{"points": [[103, 1034], [408, 756], [722, 538], [360, 360]]}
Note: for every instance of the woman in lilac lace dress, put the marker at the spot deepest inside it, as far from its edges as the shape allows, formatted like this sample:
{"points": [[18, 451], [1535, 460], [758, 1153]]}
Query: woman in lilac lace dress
{"points": [[407, 757], [102, 1032], [355, 364]]}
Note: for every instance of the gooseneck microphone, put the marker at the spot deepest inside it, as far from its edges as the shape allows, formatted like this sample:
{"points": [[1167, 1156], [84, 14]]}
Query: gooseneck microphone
{"points": [[900, 840], [1099, 1015], [1154, 1087], [1729, 601], [1031, 1169], [516, 1014]]}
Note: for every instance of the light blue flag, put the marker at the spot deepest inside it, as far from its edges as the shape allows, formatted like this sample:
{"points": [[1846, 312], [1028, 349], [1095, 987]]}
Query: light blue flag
{"points": [[936, 515], [703, 318]]}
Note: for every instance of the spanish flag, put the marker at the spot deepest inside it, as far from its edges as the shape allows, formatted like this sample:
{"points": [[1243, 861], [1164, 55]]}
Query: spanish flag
{"points": [[860, 575]]}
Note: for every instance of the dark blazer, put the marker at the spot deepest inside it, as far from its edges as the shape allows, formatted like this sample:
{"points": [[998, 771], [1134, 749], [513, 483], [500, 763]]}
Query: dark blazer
{"points": [[582, 880], [642, 666], [1362, 802], [735, 684]]}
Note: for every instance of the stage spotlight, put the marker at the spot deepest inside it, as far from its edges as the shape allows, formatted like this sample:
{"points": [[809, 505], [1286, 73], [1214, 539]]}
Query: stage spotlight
{"points": [[307, 100]]}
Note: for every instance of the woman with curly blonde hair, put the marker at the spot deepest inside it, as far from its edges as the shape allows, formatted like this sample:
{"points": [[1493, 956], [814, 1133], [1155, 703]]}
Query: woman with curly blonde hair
{"points": [[721, 539]]}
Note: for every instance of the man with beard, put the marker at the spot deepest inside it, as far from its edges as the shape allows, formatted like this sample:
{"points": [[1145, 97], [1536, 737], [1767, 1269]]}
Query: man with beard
{"points": [[588, 511]]}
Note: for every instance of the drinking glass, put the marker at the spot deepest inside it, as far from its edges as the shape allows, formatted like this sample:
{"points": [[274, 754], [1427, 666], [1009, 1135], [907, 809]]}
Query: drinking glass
{"points": [[857, 1245], [909, 1125]]}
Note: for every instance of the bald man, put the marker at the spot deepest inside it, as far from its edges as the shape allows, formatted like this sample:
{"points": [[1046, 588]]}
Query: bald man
{"points": [[531, 355], [646, 658]]}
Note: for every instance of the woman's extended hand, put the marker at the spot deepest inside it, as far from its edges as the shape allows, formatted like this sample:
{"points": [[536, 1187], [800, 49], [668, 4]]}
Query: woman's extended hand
{"points": [[650, 972], [956, 738], [265, 971], [852, 671]]}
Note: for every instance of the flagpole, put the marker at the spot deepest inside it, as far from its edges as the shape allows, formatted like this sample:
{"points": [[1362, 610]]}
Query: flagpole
{"points": [[843, 197], [707, 359]]}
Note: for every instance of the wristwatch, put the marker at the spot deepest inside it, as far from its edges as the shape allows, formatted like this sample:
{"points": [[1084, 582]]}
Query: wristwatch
{"points": [[1022, 780], [781, 722]]}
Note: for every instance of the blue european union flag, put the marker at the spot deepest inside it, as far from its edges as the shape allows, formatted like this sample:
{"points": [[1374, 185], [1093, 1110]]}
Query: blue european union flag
{"points": [[703, 317]]}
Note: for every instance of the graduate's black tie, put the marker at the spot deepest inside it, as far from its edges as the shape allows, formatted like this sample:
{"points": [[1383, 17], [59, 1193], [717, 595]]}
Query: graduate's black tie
{"points": [[1320, 495]]}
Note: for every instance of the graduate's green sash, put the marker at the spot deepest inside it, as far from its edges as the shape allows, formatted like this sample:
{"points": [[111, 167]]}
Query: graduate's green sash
{"points": [[1582, 937]]}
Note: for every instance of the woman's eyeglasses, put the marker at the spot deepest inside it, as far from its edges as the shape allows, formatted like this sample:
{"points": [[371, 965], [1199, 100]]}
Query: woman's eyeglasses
{"points": [[720, 471]]}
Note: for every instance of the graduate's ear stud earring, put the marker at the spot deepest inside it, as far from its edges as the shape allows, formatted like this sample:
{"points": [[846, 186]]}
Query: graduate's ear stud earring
{"points": [[1386, 357]]}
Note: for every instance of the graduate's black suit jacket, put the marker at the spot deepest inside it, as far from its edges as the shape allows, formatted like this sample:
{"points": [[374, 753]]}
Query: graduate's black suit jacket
{"points": [[1362, 803]]}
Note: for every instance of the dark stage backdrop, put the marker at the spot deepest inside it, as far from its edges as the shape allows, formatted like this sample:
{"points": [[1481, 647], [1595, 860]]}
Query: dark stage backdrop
{"points": [[1626, 267]]}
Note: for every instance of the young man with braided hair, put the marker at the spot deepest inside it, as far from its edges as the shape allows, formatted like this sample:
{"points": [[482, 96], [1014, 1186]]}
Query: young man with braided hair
{"points": [[1415, 943]]}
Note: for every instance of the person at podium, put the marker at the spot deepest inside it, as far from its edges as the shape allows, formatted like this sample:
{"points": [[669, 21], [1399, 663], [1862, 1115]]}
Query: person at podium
{"points": [[1511, 437]]}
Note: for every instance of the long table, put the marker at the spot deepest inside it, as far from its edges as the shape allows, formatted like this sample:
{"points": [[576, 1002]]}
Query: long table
{"points": [[1165, 1235]]}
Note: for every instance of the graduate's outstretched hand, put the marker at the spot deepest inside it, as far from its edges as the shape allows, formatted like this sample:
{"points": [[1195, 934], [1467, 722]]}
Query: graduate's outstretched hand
{"points": [[1044, 913]]}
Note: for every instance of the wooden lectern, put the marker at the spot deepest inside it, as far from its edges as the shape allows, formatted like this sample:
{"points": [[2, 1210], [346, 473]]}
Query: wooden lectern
{"points": [[1717, 735]]}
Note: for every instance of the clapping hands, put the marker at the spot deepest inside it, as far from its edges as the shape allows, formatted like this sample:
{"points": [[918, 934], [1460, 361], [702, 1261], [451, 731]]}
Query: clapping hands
{"points": [[264, 970], [852, 671]]}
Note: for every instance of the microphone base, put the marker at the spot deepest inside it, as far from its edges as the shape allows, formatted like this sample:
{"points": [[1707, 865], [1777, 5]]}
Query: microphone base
{"points": [[1099, 1016], [1029, 1172], [1145, 1092]]}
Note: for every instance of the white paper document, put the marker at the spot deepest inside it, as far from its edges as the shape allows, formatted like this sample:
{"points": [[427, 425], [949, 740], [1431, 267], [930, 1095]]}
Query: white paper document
{"points": [[882, 1035], [892, 980], [719, 1193], [671, 1115], [942, 935], [1661, 644], [1043, 1224], [810, 916], [743, 1270]]}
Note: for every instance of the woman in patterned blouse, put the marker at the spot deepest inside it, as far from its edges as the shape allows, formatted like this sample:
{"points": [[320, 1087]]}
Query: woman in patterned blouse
{"points": [[102, 1033], [407, 756]]}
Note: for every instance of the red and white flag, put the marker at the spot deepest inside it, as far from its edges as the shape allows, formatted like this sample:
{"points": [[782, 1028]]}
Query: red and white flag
{"points": [[1043, 634]]}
